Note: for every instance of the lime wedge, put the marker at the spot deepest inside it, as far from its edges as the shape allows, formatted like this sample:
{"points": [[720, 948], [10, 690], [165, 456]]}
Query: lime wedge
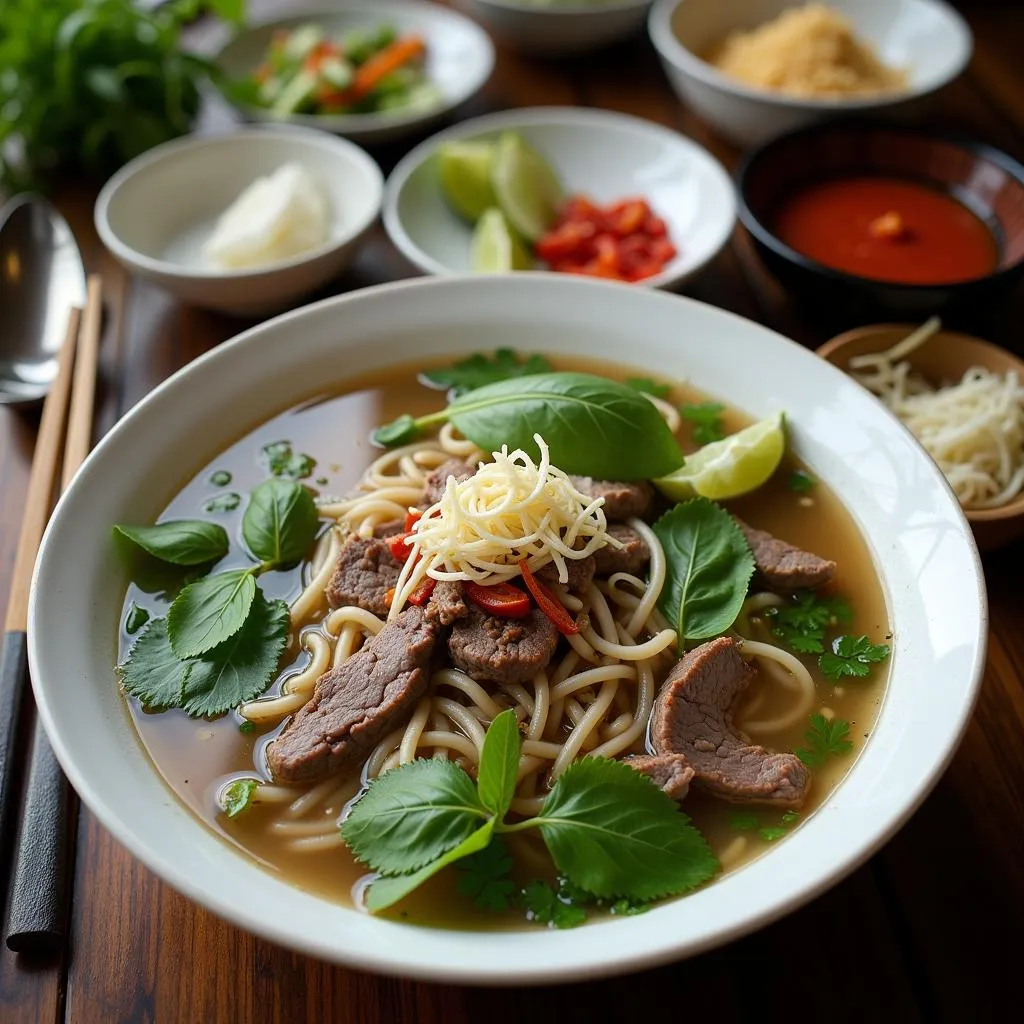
{"points": [[465, 169], [527, 189], [733, 466], [496, 248]]}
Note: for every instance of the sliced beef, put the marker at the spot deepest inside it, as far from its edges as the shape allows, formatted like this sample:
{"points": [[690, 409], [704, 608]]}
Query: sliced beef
{"points": [[671, 773], [437, 479], [366, 571], [502, 650], [632, 557], [355, 704], [447, 603], [781, 565], [621, 500], [580, 572], [693, 716]]}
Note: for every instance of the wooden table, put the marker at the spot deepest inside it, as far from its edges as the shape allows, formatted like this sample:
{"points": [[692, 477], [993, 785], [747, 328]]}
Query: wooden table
{"points": [[927, 930]]}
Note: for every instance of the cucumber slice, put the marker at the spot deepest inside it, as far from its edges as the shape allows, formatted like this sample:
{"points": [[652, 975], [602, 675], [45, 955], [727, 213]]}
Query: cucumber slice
{"points": [[302, 42], [337, 72], [297, 92]]}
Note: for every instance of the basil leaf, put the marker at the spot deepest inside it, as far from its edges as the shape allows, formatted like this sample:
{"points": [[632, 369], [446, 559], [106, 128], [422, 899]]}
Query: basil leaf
{"points": [[613, 832], [708, 569], [280, 522], [387, 891], [236, 796], [399, 431], [499, 763], [478, 370], [151, 671], [210, 610], [593, 427], [411, 815], [136, 618], [179, 541], [241, 667]]}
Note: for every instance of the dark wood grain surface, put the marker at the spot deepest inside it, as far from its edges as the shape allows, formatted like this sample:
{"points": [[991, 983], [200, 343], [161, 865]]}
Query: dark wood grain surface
{"points": [[928, 930]]}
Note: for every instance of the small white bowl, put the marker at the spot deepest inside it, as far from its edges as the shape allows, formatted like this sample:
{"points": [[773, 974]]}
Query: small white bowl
{"points": [[559, 29], [603, 155], [155, 214], [925, 36], [459, 61]]}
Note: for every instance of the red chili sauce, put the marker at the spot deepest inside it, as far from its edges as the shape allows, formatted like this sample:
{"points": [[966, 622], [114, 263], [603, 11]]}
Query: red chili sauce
{"points": [[887, 229]]}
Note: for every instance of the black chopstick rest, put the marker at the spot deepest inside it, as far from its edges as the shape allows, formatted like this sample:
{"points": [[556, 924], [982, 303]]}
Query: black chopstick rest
{"points": [[38, 905]]}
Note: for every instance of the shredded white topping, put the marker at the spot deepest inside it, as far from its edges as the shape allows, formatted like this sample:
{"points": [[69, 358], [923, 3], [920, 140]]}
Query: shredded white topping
{"points": [[510, 510], [973, 429]]}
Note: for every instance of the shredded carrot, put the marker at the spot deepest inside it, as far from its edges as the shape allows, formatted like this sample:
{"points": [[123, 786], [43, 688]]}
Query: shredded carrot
{"points": [[380, 65]]}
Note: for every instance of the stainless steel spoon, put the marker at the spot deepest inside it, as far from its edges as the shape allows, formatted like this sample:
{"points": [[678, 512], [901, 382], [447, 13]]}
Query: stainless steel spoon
{"points": [[41, 278]]}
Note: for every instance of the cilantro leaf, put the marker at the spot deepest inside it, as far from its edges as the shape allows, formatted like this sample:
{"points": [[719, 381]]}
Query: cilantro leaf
{"points": [[744, 822], [413, 815], [207, 612], [478, 370], [628, 908], [852, 656], [613, 832], [237, 796], [543, 905], [706, 418], [650, 387], [242, 666], [484, 876], [280, 458], [800, 481], [770, 834], [790, 817], [499, 763], [825, 738], [802, 623], [389, 890]]}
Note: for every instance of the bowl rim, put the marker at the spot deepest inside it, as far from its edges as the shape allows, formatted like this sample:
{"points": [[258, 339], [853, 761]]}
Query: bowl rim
{"points": [[669, 47], [509, 119], [585, 10], [341, 148], [835, 345], [370, 123], [531, 968], [763, 234]]}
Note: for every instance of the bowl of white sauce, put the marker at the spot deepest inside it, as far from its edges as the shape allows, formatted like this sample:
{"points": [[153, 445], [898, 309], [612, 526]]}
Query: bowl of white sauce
{"points": [[247, 223]]}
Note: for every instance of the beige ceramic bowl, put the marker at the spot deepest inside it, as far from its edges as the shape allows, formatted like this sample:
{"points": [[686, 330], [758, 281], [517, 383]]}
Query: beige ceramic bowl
{"points": [[946, 356]]}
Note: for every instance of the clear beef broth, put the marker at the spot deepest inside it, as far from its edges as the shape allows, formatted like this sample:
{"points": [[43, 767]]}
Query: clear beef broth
{"points": [[196, 757]]}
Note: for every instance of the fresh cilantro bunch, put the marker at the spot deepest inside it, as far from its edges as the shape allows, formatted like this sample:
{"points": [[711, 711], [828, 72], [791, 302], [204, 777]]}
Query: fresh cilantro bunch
{"points": [[801, 624], [93, 83], [610, 831]]}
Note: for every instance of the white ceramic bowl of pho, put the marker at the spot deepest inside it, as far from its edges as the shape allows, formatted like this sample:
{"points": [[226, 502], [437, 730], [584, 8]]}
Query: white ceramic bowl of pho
{"points": [[906, 563], [604, 156]]}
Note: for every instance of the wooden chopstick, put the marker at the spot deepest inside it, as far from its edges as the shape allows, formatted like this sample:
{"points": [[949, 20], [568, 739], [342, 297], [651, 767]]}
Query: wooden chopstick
{"points": [[14, 682], [38, 905]]}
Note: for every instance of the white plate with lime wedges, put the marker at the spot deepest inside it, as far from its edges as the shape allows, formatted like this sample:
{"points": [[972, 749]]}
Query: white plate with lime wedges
{"points": [[479, 196]]}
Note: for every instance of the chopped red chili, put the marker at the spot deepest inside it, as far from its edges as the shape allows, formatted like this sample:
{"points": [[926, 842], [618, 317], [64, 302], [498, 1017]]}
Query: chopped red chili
{"points": [[411, 518], [501, 599], [421, 595], [548, 603], [399, 549]]}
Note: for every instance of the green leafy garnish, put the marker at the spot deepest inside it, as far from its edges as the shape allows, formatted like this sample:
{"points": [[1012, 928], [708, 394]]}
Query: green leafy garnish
{"points": [[801, 624], [228, 675], [207, 612], [179, 541], [610, 830], [825, 738], [220, 478], [852, 656], [484, 877], [478, 370], [135, 619], [226, 502], [246, 727], [790, 817], [237, 796], [647, 386], [593, 426], [771, 833], [280, 458], [706, 418], [280, 522], [544, 905], [709, 566], [800, 481], [744, 822]]}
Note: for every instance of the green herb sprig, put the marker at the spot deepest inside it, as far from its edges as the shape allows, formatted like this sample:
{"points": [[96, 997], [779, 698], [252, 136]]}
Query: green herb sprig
{"points": [[826, 738], [593, 426], [852, 656], [609, 830], [221, 640], [802, 623], [479, 370], [706, 418]]}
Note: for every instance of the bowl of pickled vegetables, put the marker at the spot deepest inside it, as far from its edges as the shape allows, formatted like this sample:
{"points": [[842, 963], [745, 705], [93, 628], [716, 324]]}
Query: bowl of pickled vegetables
{"points": [[373, 72]]}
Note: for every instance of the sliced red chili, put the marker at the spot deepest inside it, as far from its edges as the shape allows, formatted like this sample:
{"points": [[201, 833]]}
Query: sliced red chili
{"points": [[501, 599], [548, 603], [400, 551], [411, 518], [421, 595]]}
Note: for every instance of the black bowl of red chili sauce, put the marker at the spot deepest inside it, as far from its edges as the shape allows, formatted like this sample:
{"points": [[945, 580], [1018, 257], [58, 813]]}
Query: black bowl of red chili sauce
{"points": [[860, 219]]}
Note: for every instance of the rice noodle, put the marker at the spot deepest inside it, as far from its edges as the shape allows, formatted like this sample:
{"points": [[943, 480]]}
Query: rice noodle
{"points": [[973, 429]]}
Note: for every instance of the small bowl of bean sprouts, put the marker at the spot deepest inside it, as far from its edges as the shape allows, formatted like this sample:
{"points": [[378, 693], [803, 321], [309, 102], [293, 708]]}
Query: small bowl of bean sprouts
{"points": [[963, 399]]}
